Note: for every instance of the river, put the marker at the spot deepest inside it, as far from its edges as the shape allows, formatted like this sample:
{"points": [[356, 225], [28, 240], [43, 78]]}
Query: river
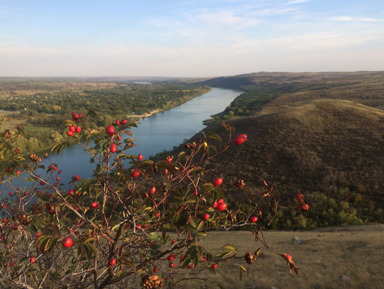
{"points": [[154, 134]]}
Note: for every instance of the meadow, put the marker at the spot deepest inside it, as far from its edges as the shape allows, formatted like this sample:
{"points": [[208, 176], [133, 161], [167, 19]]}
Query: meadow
{"points": [[335, 257]]}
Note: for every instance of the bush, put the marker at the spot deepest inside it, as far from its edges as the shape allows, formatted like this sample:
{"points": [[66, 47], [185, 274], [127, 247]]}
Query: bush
{"points": [[137, 223]]}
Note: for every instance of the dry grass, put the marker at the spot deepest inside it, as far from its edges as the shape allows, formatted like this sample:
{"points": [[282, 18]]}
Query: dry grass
{"points": [[341, 257]]}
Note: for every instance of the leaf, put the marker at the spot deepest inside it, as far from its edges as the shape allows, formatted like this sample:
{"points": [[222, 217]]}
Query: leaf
{"points": [[186, 261], [200, 226], [58, 147], [214, 136], [229, 247], [212, 149], [225, 125], [193, 221], [92, 113], [46, 243], [243, 271], [191, 201]]}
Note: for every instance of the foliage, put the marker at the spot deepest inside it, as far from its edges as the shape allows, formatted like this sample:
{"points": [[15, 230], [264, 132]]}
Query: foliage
{"points": [[41, 105], [131, 226]]}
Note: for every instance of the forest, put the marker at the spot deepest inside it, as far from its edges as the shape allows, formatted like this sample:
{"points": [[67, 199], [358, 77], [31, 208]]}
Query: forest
{"points": [[40, 105]]}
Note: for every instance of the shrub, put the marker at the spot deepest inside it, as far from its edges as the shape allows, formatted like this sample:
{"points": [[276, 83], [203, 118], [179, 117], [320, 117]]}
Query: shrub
{"points": [[137, 223]]}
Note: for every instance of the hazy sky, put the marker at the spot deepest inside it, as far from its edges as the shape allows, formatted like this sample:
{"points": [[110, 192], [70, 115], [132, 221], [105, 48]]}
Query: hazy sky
{"points": [[187, 37]]}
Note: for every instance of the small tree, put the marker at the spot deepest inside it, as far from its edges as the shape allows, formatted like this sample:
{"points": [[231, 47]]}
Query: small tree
{"points": [[136, 223]]}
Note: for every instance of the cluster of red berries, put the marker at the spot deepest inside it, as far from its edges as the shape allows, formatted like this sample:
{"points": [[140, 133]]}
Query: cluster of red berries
{"points": [[72, 129]]}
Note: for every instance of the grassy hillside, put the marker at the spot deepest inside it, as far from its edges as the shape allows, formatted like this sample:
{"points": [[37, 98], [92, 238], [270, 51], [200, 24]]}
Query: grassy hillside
{"points": [[339, 257], [321, 133]]}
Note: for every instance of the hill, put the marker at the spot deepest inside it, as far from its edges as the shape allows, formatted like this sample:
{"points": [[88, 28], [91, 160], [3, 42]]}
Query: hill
{"points": [[321, 133]]}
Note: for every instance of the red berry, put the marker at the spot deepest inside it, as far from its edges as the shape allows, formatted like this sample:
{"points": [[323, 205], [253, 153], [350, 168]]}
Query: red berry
{"points": [[94, 205], [70, 133], [140, 157], [123, 121], [113, 148], [152, 190], [155, 270], [221, 206], [254, 219], [305, 207], [110, 130], [217, 182], [117, 122], [67, 242], [241, 138], [38, 234], [78, 129], [58, 179], [76, 116], [171, 265], [135, 173], [32, 260], [173, 241], [72, 128], [171, 258], [196, 193], [214, 266], [191, 266], [77, 178], [206, 216], [71, 192], [112, 262]]}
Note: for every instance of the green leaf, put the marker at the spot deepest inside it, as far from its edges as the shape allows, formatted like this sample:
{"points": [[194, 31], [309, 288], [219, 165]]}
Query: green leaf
{"points": [[193, 221], [191, 201], [229, 247], [186, 261], [92, 113], [214, 136], [200, 226], [212, 149], [242, 271]]}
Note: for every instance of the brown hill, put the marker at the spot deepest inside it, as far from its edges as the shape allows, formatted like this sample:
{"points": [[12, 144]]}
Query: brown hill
{"points": [[322, 133]]}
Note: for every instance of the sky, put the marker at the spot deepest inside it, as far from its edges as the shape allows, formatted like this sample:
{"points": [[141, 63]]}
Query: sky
{"points": [[187, 38]]}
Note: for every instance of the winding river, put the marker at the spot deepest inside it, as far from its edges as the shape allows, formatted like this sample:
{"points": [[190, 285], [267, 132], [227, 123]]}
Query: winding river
{"points": [[157, 133]]}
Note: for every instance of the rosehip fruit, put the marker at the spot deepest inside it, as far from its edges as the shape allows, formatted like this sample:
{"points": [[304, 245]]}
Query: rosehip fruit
{"points": [[123, 121], [253, 219], [67, 242], [135, 173], [110, 130], [140, 157], [221, 206], [112, 262], [305, 207], [113, 148], [206, 216], [241, 138], [94, 205], [217, 182]]}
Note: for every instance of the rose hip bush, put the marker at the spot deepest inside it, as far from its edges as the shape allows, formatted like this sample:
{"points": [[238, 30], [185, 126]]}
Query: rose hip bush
{"points": [[137, 223]]}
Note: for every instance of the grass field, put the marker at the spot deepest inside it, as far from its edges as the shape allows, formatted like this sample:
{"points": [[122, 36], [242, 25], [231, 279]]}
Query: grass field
{"points": [[339, 257]]}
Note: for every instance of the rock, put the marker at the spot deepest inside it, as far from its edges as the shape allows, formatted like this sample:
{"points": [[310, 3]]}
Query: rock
{"points": [[296, 241]]}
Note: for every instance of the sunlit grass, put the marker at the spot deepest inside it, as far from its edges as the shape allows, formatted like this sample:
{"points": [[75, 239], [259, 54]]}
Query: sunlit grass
{"points": [[341, 257]]}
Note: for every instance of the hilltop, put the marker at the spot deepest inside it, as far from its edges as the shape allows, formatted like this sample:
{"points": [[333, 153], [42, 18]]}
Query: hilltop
{"points": [[321, 133]]}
